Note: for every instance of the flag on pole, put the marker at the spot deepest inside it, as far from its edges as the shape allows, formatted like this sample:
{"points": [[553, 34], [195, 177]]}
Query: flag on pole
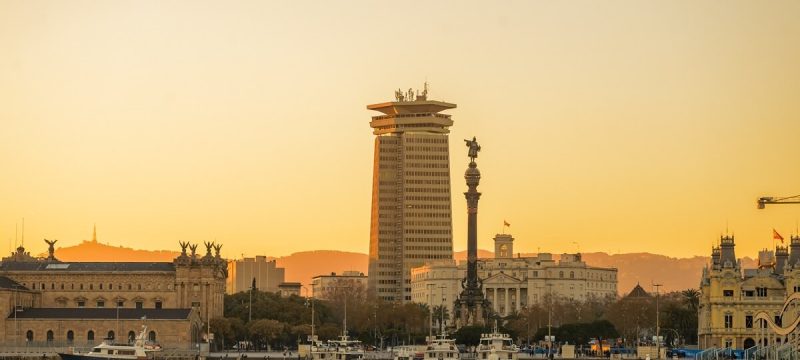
{"points": [[776, 236], [505, 223]]}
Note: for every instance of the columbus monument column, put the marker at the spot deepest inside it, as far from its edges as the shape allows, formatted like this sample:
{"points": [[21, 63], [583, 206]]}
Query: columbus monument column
{"points": [[471, 308]]}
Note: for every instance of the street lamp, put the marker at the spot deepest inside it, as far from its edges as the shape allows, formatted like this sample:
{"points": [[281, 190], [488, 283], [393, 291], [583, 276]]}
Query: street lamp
{"points": [[312, 315], [658, 330]]}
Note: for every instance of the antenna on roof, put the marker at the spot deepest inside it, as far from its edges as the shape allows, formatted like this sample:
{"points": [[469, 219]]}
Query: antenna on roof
{"points": [[23, 232]]}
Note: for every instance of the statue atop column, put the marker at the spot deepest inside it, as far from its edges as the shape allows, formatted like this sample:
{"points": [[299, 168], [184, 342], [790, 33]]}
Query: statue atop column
{"points": [[471, 308], [474, 148]]}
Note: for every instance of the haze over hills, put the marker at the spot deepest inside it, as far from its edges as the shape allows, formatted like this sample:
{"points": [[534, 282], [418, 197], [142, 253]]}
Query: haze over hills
{"points": [[644, 268]]}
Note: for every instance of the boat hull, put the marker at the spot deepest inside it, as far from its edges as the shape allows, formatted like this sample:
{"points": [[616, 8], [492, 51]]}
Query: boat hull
{"points": [[65, 356]]}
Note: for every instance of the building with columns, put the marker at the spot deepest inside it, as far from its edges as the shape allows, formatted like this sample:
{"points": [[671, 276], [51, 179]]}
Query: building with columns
{"points": [[511, 283], [731, 296], [411, 210], [48, 301]]}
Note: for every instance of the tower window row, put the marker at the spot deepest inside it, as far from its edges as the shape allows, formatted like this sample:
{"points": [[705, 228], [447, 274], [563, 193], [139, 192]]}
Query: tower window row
{"points": [[427, 173], [428, 231], [427, 166], [426, 140], [428, 198], [427, 148], [426, 157], [428, 223]]}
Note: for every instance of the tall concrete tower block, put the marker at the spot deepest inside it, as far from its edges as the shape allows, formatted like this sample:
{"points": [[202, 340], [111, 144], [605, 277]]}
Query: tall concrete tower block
{"points": [[411, 206]]}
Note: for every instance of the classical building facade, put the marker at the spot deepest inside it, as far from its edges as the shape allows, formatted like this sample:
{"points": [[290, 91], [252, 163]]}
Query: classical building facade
{"points": [[242, 272], [731, 296], [411, 206], [510, 283], [324, 285], [77, 302]]}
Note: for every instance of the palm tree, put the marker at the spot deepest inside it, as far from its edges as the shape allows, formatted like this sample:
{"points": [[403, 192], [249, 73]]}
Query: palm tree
{"points": [[692, 298], [441, 314]]}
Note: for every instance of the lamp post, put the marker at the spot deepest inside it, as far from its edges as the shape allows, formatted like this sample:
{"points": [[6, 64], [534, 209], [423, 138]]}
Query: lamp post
{"points": [[16, 329], [312, 315], [658, 329], [549, 319], [430, 311]]}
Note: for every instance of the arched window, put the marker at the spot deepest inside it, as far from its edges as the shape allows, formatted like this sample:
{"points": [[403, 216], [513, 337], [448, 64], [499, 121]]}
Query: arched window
{"points": [[110, 335], [571, 274], [49, 335], [29, 335], [131, 336], [561, 274], [151, 336], [70, 336], [90, 335]]}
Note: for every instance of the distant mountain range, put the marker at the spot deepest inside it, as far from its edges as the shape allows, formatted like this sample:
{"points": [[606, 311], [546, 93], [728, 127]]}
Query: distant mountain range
{"points": [[644, 268]]}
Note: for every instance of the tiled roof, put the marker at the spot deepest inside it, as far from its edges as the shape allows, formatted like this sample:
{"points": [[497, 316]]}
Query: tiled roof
{"points": [[6, 283], [638, 292], [86, 266], [102, 313]]}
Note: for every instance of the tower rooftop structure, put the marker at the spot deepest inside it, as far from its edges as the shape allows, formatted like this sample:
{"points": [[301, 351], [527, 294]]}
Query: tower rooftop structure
{"points": [[411, 113]]}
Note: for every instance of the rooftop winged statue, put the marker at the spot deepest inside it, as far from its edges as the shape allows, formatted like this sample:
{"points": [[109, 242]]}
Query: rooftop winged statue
{"points": [[474, 148], [51, 250], [184, 245], [193, 248]]}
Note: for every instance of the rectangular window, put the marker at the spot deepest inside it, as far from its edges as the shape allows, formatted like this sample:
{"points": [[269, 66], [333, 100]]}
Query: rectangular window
{"points": [[139, 304], [158, 304], [120, 304], [81, 304], [748, 321], [749, 293], [727, 293], [796, 288], [728, 321], [728, 343], [761, 292], [101, 303]]}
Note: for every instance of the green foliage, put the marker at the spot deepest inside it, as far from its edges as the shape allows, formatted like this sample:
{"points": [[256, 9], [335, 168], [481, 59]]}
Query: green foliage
{"points": [[470, 335], [580, 333]]}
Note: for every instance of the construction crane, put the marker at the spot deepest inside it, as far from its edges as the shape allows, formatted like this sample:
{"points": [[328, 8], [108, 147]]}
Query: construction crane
{"points": [[764, 200]]}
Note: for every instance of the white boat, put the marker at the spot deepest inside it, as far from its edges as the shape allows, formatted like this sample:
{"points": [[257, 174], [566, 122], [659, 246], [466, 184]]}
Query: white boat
{"points": [[406, 352], [108, 350], [341, 349], [441, 347], [496, 346]]}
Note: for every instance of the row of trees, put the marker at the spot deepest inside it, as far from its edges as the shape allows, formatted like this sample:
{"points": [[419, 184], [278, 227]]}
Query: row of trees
{"points": [[285, 321]]}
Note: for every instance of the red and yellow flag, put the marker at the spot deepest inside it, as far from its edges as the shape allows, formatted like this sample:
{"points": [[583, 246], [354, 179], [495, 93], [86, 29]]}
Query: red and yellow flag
{"points": [[776, 236]]}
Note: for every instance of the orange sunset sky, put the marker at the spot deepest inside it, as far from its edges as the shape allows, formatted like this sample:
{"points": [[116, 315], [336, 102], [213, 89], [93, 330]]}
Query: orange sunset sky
{"points": [[617, 126]]}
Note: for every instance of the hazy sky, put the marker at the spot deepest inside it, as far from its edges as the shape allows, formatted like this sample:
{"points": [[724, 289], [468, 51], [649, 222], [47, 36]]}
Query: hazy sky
{"points": [[609, 125]]}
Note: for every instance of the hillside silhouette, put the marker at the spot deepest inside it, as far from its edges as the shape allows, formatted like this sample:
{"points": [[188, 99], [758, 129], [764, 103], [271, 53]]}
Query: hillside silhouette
{"points": [[643, 268]]}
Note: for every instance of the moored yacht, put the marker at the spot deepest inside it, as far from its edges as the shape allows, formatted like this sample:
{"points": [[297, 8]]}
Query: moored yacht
{"points": [[343, 348], [496, 346], [441, 347], [109, 350]]}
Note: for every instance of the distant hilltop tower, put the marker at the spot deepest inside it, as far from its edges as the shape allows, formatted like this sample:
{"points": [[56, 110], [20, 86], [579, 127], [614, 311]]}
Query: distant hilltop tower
{"points": [[411, 209]]}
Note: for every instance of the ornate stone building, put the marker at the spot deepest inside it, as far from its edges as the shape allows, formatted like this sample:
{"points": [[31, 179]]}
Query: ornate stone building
{"points": [[510, 283], [731, 296], [84, 302]]}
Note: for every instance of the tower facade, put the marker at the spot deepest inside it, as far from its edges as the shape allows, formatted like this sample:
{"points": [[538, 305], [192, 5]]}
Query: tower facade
{"points": [[411, 206]]}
